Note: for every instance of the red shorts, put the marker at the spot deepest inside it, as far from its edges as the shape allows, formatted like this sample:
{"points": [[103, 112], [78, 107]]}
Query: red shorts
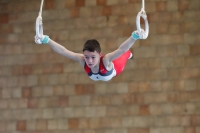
{"points": [[120, 62]]}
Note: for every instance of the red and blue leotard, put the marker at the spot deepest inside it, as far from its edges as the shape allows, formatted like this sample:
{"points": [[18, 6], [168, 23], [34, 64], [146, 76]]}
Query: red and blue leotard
{"points": [[104, 74]]}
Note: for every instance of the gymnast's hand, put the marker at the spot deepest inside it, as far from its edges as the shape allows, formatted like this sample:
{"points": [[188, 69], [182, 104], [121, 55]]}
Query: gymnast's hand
{"points": [[42, 39], [138, 34]]}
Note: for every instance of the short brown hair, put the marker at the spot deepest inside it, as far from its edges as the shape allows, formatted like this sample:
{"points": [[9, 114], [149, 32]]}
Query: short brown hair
{"points": [[92, 45]]}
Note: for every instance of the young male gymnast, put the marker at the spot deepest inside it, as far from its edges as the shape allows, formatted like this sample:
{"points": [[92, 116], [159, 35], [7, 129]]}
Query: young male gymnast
{"points": [[97, 66]]}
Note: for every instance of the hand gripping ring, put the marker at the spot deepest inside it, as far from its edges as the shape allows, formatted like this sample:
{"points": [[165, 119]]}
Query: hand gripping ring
{"points": [[144, 16], [38, 26]]}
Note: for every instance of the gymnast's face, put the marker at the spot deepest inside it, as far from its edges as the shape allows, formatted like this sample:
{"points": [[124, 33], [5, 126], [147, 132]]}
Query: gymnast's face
{"points": [[91, 58]]}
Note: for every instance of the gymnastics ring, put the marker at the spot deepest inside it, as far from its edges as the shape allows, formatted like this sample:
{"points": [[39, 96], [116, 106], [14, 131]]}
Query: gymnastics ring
{"points": [[38, 25], [142, 14]]}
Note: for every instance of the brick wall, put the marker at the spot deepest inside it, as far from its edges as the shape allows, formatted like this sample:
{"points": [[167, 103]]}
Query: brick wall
{"points": [[43, 92]]}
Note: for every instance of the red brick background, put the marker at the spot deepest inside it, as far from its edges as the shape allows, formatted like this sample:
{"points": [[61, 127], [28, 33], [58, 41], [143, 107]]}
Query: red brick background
{"points": [[44, 92]]}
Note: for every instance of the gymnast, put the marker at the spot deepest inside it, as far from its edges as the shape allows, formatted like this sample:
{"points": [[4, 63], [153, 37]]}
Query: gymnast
{"points": [[96, 65]]}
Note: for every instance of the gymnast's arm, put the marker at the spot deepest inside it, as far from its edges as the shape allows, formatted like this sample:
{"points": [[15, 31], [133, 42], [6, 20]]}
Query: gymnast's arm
{"points": [[125, 46], [65, 52]]}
